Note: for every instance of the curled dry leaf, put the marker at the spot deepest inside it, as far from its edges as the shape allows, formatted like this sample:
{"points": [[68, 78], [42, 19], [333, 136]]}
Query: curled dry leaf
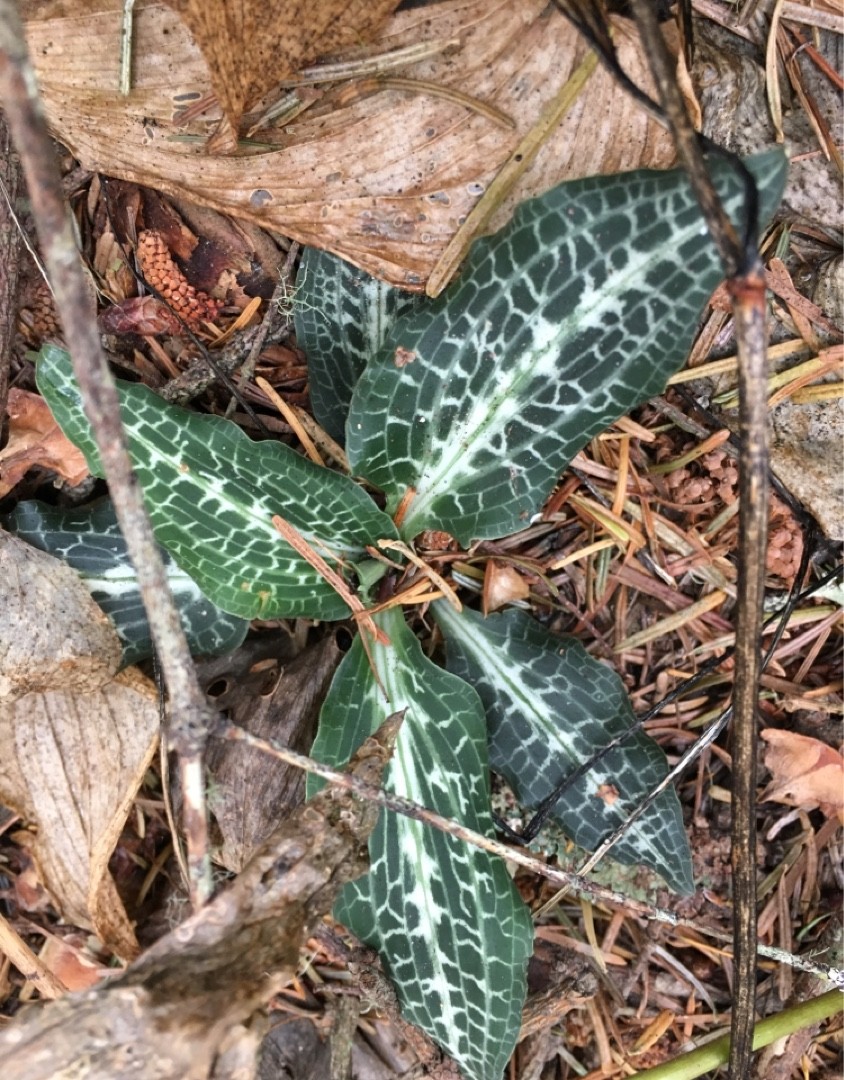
{"points": [[805, 772], [383, 174], [72, 966], [71, 764], [54, 635], [36, 439], [139, 315], [502, 585]]}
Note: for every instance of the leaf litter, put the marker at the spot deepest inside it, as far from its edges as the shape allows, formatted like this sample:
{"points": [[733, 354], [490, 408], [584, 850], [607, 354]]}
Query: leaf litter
{"points": [[382, 179], [673, 983]]}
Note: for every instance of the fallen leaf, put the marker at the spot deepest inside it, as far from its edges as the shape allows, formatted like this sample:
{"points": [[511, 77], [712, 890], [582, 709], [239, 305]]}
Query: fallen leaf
{"points": [[54, 635], [36, 439], [251, 45], [502, 585], [384, 178], [74, 741], [175, 1012], [72, 966], [805, 772], [250, 791], [71, 764], [139, 315]]}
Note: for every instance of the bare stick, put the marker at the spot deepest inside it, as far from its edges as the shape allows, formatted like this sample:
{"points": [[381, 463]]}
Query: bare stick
{"points": [[564, 879], [189, 712], [10, 245], [28, 964], [747, 286]]}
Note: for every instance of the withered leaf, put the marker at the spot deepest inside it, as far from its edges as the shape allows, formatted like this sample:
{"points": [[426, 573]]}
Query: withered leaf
{"points": [[251, 45], [805, 772], [54, 635], [36, 439], [71, 764], [383, 180]]}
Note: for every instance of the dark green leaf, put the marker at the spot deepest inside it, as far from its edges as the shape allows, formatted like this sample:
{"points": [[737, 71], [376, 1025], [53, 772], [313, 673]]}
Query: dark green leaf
{"points": [[446, 918], [211, 493], [341, 315], [88, 538], [550, 707], [578, 310]]}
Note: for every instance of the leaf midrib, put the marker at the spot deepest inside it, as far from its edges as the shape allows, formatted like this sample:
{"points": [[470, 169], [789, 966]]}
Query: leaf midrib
{"points": [[492, 414]]}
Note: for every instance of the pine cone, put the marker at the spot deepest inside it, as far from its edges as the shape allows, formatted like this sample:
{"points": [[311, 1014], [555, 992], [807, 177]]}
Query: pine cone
{"points": [[724, 472], [38, 321], [162, 273], [785, 542]]}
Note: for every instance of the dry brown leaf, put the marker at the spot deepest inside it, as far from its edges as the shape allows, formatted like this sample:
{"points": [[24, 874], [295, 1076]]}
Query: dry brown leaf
{"points": [[383, 180], [36, 439], [177, 1011], [502, 585], [71, 764], [251, 792], [251, 45], [72, 966], [805, 772], [54, 635]]}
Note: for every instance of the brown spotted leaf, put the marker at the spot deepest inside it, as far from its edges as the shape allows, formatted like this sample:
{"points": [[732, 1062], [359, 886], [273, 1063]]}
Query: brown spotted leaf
{"points": [[250, 45], [381, 174]]}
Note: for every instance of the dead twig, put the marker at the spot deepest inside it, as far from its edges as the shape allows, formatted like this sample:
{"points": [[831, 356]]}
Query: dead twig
{"points": [[563, 879], [746, 282], [189, 712], [10, 245], [27, 963]]}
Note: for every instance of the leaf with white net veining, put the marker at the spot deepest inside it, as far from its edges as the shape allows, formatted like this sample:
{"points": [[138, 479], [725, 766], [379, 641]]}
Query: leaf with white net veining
{"points": [[551, 707], [342, 316], [450, 927], [211, 493], [89, 539], [578, 310]]}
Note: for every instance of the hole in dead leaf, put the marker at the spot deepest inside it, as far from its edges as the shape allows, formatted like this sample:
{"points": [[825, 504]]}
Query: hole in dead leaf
{"points": [[260, 197], [217, 688]]}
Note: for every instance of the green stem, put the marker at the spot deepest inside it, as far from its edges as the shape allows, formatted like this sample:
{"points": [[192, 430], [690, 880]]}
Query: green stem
{"points": [[715, 1053]]}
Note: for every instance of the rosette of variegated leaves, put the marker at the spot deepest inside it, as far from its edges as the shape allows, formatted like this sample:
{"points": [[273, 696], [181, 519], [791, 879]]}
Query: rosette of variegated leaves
{"points": [[580, 309]]}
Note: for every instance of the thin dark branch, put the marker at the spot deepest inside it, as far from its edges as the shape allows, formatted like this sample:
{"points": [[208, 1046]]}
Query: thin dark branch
{"points": [[10, 247], [749, 307], [189, 711], [563, 879], [686, 139], [745, 273]]}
